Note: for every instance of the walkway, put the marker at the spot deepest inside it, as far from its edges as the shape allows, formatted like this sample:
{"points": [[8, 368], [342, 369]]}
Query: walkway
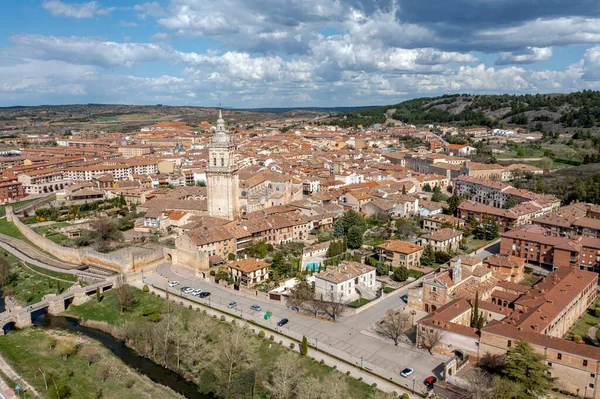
{"points": [[6, 391], [36, 257]]}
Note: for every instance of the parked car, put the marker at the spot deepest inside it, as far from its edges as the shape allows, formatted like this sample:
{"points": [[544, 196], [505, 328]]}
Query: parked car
{"points": [[183, 289], [256, 307], [282, 322], [232, 305], [204, 294], [173, 284], [406, 372], [429, 382], [189, 290], [197, 291]]}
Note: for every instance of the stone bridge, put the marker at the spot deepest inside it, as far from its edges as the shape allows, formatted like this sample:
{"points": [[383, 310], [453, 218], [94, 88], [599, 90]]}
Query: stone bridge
{"points": [[53, 304]]}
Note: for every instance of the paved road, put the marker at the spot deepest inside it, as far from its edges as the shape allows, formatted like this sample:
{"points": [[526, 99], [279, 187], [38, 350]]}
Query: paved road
{"points": [[343, 339]]}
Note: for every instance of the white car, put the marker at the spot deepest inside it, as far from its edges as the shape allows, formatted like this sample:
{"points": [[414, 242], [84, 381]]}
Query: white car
{"points": [[406, 372], [189, 290], [197, 292], [173, 284]]}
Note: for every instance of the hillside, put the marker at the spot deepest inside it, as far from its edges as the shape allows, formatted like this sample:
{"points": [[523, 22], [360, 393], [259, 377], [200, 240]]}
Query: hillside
{"points": [[540, 111]]}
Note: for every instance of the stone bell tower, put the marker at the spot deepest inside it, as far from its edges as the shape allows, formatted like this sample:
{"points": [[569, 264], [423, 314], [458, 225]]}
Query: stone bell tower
{"points": [[222, 175]]}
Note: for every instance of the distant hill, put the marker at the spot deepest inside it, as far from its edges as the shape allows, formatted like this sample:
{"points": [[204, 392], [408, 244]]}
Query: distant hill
{"points": [[542, 111]]}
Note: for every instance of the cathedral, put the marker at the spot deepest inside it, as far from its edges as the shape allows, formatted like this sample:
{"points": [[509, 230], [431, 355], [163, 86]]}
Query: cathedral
{"points": [[222, 175]]}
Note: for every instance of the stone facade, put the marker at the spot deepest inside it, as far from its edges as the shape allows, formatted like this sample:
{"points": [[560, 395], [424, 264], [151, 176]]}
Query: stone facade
{"points": [[222, 175]]}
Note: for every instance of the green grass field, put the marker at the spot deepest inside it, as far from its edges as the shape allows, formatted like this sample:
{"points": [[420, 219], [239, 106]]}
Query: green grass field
{"points": [[589, 319], [29, 286], [30, 350]]}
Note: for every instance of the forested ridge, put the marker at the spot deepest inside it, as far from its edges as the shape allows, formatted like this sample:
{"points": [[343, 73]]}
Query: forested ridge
{"points": [[578, 109]]}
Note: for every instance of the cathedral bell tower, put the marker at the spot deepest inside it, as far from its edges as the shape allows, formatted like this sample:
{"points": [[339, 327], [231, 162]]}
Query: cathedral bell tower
{"points": [[222, 175]]}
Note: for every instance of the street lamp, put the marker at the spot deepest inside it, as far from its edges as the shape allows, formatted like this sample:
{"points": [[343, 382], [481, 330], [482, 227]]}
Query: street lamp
{"points": [[361, 367], [317, 344], [413, 384]]}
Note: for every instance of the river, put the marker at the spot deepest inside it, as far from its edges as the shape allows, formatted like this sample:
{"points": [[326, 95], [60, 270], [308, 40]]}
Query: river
{"points": [[155, 372]]}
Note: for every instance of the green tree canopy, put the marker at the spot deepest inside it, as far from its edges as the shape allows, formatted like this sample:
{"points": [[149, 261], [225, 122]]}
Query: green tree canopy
{"points": [[528, 369]]}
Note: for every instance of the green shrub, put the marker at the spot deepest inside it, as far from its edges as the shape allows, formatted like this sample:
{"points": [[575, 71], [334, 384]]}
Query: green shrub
{"points": [[322, 361], [404, 396], [146, 288], [222, 318], [304, 348], [272, 338], [360, 379], [154, 317], [374, 385], [261, 334], [576, 338], [292, 346], [348, 372], [597, 312]]}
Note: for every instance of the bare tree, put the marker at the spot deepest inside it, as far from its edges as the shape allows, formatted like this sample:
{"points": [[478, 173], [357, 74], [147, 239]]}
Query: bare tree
{"points": [[286, 376], [393, 325], [104, 373], [311, 387], [124, 295], [335, 308], [478, 384], [90, 354], [316, 306], [235, 354], [431, 337], [335, 387], [300, 294], [382, 395]]}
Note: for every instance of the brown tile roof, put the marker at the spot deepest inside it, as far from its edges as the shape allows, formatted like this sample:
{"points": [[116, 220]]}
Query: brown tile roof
{"points": [[347, 270], [443, 234], [248, 265], [399, 246]]}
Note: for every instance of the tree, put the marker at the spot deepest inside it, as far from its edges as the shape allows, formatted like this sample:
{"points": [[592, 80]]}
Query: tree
{"points": [[437, 195], [512, 202], [382, 269], [286, 376], [6, 274], [393, 325], [442, 257], [453, 202], [235, 354], [338, 229], [90, 354], [311, 387], [401, 274], [125, 297], [352, 218], [335, 387], [335, 308], [355, 237], [304, 347], [405, 229], [66, 347], [528, 368], [316, 306], [431, 337], [428, 256], [102, 232], [427, 187], [403, 189], [300, 294], [487, 229]]}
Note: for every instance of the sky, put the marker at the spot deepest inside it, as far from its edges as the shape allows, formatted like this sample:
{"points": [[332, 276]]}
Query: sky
{"points": [[292, 53]]}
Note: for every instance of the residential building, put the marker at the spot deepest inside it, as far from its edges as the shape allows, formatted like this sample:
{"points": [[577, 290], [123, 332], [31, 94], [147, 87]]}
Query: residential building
{"points": [[399, 253], [346, 282], [249, 272], [446, 240]]}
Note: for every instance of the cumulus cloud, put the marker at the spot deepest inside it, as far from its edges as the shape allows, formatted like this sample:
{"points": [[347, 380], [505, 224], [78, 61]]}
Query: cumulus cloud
{"points": [[526, 56], [591, 64], [76, 10], [86, 50]]}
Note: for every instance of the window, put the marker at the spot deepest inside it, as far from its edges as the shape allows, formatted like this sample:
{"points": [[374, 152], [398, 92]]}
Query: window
{"points": [[585, 362], [434, 289], [593, 375], [509, 343], [222, 161], [550, 364], [591, 385], [559, 356]]}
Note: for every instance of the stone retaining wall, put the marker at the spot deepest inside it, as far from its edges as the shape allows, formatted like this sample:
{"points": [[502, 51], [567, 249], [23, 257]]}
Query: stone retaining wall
{"points": [[86, 256]]}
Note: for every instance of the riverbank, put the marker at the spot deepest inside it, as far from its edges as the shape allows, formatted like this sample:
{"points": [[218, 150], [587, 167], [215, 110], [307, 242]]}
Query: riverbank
{"points": [[36, 353], [208, 343]]}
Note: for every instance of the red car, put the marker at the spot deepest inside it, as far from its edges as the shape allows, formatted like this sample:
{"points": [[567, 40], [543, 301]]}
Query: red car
{"points": [[429, 382]]}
